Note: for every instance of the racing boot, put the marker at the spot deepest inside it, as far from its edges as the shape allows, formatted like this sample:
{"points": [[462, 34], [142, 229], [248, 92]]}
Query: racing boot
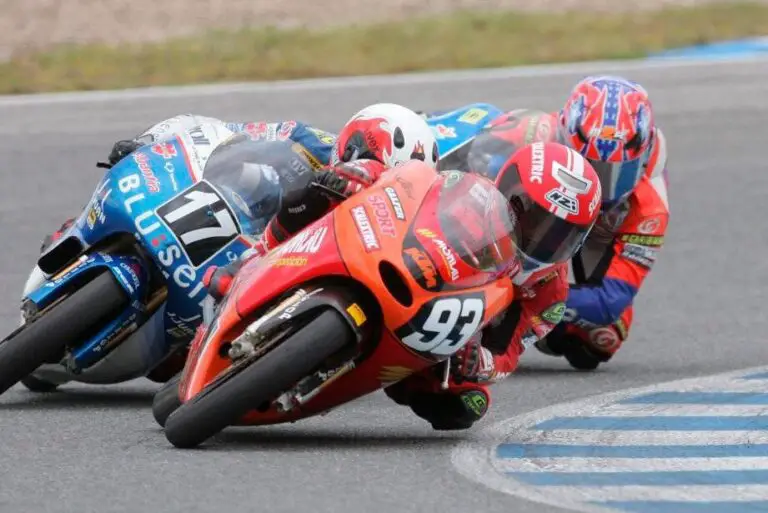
{"points": [[578, 353], [452, 411], [50, 239], [36, 277], [457, 408]]}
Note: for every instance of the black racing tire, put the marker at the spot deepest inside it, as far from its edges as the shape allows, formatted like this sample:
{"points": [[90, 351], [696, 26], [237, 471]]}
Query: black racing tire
{"points": [[34, 344], [40, 386], [224, 403], [166, 400]]}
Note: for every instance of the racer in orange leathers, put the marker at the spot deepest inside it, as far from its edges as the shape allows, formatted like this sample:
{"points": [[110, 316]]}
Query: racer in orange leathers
{"points": [[609, 120]]}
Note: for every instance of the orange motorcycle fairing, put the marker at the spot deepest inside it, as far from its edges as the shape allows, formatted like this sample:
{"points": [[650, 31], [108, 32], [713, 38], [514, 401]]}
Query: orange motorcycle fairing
{"points": [[416, 264]]}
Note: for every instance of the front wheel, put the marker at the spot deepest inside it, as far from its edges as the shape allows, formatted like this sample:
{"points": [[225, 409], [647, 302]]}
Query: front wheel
{"points": [[223, 403], [45, 339], [166, 400]]}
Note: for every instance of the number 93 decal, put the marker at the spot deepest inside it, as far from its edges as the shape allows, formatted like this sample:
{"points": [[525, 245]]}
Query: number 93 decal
{"points": [[442, 326]]}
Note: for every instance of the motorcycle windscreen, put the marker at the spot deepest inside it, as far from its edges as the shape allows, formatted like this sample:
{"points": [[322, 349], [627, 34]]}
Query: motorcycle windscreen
{"points": [[474, 217], [252, 175]]}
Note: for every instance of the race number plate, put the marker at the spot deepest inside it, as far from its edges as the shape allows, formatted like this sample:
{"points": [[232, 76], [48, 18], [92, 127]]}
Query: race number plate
{"points": [[443, 325], [201, 220]]}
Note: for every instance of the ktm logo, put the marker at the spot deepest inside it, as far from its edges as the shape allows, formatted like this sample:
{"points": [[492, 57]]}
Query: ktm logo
{"points": [[425, 266]]}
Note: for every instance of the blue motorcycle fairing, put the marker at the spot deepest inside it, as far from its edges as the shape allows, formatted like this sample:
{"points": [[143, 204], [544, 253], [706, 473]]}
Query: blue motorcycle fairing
{"points": [[132, 198], [456, 128]]}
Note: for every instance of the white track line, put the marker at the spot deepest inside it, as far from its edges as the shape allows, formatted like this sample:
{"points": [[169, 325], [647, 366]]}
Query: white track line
{"points": [[688, 410], [629, 464], [708, 493], [476, 459]]}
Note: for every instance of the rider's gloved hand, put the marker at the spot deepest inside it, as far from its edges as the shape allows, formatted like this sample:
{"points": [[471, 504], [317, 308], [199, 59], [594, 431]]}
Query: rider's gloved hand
{"points": [[218, 280], [349, 178], [121, 149], [473, 362]]}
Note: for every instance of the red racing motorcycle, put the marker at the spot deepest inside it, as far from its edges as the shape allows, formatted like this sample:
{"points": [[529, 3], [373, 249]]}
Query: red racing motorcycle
{"points": [[396, 279]]}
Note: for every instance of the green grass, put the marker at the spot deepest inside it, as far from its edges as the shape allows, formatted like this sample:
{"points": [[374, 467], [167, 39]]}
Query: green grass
{"points": [[462, 40]]}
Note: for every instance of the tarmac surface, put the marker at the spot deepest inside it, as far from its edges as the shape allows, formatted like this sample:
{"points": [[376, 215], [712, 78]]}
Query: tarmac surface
{"points": [[97, 449]]}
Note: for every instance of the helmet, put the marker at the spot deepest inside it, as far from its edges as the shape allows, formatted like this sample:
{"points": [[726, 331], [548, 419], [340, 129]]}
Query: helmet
{"points": [[389, 133], [507, 134], [609, 120], [554, 195]]}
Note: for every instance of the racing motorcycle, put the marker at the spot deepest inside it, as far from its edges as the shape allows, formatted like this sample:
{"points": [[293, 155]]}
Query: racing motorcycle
{"points": [[135, 258], [456, 129], [394, 280]]}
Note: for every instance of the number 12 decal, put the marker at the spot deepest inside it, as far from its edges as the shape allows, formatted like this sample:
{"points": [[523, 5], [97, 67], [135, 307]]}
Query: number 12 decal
{"points": [[442, 326]]}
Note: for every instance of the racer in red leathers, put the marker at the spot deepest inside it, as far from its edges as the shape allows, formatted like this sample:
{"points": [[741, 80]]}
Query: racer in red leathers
{"points": [[382, 136], [609, 120], [547, 237]]}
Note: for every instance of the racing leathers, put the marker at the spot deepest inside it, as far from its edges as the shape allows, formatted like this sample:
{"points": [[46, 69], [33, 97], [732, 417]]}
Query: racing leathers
{"points": [[315, 145], [489, 357], [608, 271], [610, 268]]}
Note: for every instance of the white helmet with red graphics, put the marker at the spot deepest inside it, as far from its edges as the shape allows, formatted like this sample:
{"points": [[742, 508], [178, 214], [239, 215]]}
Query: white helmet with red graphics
{"points": [[554, 198], [386, 132]]}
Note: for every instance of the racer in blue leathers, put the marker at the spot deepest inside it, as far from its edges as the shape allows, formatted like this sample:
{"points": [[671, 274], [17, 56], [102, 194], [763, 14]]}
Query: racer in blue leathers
{"points": [[316, 145]]}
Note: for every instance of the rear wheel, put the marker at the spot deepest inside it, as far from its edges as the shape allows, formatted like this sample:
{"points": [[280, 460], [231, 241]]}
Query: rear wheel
{"points": [[224, 403], [166, 400], [38, 385], [63, 325]]}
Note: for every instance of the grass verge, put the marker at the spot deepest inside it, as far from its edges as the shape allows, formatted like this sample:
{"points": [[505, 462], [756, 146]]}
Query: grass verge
{"points": [[461, 40]]}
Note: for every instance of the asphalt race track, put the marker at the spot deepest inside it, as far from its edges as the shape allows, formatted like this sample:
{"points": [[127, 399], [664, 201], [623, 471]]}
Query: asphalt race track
{"points": [[97, 449]]}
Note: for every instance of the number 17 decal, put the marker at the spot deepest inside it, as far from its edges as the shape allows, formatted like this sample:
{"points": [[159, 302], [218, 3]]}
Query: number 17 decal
{"points": [[442, 326], [202, 221]]}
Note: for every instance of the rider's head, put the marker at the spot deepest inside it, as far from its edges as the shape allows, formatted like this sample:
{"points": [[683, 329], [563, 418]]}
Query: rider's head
{"points": [[389, 133], [554, 199], [507, 134], [609, 120]]}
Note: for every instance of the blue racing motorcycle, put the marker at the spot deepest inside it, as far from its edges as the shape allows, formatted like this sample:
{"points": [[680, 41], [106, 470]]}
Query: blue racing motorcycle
{"points": [[135, 257], [456, 129]]}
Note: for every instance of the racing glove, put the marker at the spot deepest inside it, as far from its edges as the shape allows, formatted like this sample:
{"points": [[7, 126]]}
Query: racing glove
{"points": [[357, 175], [218, 280], [473, 363]]}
